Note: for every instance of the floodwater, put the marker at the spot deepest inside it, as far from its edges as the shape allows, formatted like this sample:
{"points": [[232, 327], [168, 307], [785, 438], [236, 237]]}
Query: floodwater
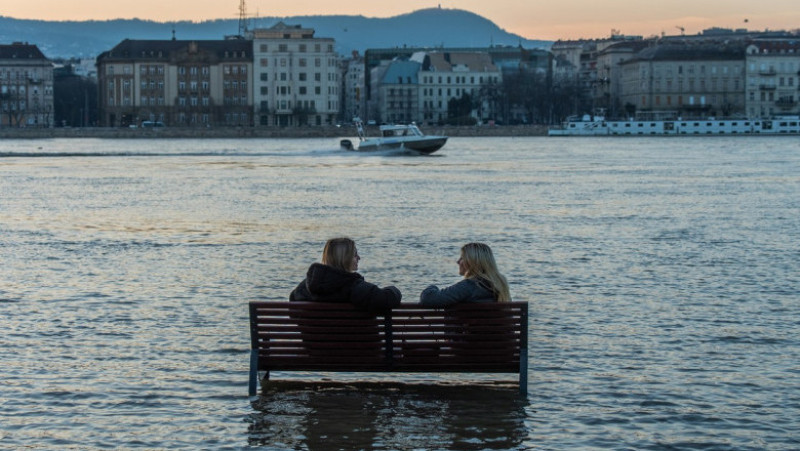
{"points": [[662, 276]]}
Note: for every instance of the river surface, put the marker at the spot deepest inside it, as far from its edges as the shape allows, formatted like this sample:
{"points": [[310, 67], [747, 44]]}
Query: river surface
{"points": [[662, 275]]}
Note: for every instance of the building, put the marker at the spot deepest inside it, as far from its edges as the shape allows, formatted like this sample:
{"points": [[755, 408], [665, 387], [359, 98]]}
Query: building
{"points": [[298, 78], [421, 87], [489, 70], [180, 83], [684, 80], [355, 99], [605, 83], [447, 76], [773, 78], [399, 93], [26, 87]]}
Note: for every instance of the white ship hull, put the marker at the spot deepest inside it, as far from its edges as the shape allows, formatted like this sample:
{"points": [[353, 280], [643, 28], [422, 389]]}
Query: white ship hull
{"points": [[598, 126]]}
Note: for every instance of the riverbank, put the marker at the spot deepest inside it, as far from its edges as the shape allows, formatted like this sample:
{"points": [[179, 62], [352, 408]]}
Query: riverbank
{"points": [[261, 132]]}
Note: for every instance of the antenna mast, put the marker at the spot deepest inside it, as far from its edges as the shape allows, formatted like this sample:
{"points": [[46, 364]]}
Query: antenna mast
{"points": [[242, 18]]}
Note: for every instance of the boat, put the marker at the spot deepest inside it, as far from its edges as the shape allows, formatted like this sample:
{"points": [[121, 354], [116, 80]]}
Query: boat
{"points": [[589, 125], [405, 137]]}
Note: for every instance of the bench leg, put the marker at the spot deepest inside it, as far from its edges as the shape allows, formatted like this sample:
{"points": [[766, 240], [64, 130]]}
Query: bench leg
{"points": [[523, 372], [253, 383]]}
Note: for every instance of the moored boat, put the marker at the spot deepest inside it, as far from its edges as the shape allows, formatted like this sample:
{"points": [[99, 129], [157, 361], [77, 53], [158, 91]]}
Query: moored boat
{"points": [[598, 126]]}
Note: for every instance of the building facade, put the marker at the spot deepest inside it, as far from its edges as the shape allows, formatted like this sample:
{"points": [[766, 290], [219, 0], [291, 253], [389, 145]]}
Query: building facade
{"points": [[773, 78], [177, 83], [298, 79], [354, 87], [446, 76], [670, 81], [26, 87]]}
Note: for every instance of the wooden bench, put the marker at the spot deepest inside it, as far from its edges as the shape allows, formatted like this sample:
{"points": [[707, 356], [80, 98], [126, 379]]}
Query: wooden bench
{"points": [[312, 336]]}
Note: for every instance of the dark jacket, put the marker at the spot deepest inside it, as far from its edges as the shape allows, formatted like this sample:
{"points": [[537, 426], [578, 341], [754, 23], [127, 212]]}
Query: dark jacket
{"points": [[328, 284], [468, 290]]}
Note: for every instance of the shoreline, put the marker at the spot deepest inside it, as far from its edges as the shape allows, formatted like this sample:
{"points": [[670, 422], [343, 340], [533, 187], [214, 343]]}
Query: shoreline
{"points": [[261, 132]]}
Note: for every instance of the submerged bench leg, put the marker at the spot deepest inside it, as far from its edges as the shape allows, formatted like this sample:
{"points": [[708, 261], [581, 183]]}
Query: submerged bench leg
{"points": [[253, 383], [523, 372]]}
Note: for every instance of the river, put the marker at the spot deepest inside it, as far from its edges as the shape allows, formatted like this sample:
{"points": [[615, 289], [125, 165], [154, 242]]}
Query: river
{"points": [[662, 277]]}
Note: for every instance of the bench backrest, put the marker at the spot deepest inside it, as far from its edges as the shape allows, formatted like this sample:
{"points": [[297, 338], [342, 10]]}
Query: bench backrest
{"points": [[297, 336]]}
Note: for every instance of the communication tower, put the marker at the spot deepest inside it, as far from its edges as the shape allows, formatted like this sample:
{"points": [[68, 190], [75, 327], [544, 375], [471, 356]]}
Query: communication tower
{"points": [[242, 18]]}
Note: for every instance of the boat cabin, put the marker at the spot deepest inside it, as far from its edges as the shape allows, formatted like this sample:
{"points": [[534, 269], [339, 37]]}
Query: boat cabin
{"points": [[390, 131]]}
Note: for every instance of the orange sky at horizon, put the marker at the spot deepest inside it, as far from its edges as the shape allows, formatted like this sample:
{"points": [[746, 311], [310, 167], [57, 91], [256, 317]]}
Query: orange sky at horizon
{"points": [[549, 21]]}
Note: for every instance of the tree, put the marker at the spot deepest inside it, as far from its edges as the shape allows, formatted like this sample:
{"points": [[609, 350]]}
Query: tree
{"points": [[459, 111], [13, 104], [75, 101]]}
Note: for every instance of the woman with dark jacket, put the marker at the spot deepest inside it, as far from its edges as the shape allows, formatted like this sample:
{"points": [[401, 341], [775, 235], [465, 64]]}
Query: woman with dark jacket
{"points": [[335, 280], [482, 281]]}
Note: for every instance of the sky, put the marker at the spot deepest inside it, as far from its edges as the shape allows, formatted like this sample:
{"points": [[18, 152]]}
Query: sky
{"points": [[532, 19]]}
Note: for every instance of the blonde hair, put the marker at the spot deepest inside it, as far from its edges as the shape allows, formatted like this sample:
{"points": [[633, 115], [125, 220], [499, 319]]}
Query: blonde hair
{"points": [[479, 263], [339, 253]]}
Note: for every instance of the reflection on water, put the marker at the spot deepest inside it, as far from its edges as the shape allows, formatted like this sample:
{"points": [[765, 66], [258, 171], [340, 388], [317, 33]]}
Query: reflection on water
{"points": [[331, 416]]}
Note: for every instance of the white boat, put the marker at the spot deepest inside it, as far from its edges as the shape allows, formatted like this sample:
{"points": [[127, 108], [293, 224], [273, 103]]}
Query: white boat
{"points": [[406, 137], [599, 126]]}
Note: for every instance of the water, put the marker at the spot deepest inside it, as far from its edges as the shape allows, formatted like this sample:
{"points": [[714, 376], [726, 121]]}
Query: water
{"points": [[662, 276]]}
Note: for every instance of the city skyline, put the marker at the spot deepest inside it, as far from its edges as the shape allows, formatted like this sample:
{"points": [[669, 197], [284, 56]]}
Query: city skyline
{"points": [[581, 19]]}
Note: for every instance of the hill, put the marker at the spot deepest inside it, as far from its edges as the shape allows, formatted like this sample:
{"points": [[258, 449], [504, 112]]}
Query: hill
{"points": [[433, 27]]}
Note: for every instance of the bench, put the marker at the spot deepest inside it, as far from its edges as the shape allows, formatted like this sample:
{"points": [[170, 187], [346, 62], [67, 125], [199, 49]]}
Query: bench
{"points": [[335, 337]]}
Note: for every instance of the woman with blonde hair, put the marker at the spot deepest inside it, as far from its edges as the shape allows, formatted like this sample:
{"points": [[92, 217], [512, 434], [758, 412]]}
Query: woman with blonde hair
{"points": [[482, 281], [336, 280]]}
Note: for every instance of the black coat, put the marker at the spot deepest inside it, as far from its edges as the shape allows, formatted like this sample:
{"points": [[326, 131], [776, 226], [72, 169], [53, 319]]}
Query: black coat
{"points": [[328, 284]]}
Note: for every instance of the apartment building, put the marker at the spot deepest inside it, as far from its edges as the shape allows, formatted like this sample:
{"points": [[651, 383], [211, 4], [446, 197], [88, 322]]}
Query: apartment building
{"points": [[773, 78], [478, 72], [26, 87], [354, 81], [399, 93], [452, 75], [419, 88], [685, 80], [181, 83], [606, 79], [298, 78]]}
